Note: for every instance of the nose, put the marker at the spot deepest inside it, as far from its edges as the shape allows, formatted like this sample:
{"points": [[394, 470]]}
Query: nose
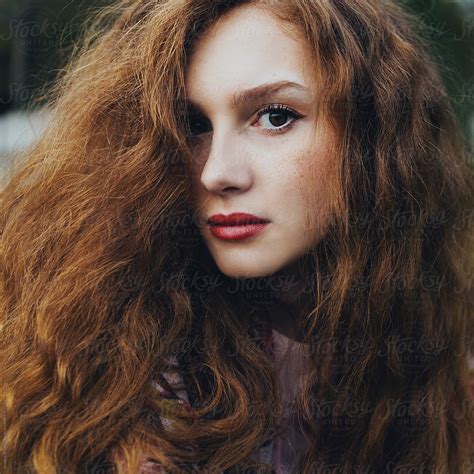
{"points": [[226, 169]]}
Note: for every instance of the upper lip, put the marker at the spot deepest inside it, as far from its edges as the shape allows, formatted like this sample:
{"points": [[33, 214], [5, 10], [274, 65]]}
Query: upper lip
{"points": [[236, 218]]}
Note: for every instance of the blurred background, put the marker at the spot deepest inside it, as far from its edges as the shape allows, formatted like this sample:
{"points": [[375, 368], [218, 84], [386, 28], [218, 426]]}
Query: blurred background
{"points": [[37, 36]]}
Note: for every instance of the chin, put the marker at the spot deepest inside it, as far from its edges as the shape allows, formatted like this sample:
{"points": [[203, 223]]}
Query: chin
{"points": [[239, 269], [242, 272]]}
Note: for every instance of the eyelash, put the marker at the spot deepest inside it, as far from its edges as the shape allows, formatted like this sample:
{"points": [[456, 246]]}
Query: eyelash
{"points": [[271, 108], [278, 108]]}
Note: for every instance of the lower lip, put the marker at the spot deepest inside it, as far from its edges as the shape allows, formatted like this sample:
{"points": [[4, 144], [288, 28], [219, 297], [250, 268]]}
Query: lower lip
{"points": [[237, 232]]}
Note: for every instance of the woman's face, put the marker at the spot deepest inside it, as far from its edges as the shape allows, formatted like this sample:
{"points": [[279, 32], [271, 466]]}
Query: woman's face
{"points": [[251, 157]]}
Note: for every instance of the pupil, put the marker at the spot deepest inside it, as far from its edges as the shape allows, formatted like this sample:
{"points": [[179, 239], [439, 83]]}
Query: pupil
{"points": [[280, 118]]}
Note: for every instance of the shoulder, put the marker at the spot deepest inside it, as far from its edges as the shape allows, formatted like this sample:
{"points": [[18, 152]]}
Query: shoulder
{"points": [[170, 384], [172, 390], [471, 380]]}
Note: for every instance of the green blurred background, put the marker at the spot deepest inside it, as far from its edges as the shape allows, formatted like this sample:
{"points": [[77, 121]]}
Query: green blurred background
{"points": [[36, 37]]}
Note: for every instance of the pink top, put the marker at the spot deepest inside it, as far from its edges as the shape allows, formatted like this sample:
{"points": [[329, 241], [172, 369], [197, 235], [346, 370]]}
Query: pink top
{"points": [[289, 357], [284, 448], [290, 361]]}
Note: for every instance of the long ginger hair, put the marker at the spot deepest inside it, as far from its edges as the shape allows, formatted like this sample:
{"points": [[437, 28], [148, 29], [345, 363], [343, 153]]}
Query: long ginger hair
{"points": [[104, 274]]}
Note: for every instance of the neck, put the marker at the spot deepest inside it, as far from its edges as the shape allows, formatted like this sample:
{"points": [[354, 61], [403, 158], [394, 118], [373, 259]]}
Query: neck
{"points": [[292, 300]]}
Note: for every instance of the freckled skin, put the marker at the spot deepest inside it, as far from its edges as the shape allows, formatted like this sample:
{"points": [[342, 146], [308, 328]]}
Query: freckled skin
{"points": [[239, 166]]}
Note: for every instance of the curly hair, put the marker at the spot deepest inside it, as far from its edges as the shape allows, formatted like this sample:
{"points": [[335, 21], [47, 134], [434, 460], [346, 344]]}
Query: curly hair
{"points": [[100, 253]]}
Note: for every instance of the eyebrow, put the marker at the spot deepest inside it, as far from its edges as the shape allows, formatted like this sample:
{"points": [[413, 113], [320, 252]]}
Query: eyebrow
{"points": [[260, 92]]}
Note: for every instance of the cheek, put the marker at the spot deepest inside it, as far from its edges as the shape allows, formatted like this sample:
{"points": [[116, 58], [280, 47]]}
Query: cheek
{"points": [[315, 183]]}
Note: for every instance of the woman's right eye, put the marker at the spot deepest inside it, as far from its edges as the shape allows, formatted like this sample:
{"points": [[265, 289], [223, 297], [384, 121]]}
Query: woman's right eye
{"points": [[197, 126]]}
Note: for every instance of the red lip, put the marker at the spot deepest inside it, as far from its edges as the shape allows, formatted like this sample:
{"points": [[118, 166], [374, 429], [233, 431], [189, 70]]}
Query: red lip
{"points": [[236, 226], [236, 218]]}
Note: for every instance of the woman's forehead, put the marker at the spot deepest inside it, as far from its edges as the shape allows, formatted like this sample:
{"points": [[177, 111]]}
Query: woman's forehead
{"points": [[247, 48]]}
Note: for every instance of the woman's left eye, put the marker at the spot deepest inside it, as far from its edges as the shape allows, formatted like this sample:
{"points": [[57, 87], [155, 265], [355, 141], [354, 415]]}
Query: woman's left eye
{"points": [[277, 117]]}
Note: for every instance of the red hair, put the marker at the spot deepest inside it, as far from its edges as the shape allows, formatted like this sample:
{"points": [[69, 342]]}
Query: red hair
{"points": [[100, 255]]}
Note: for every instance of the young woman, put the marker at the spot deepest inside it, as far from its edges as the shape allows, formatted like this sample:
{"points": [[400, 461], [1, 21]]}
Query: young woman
{"points": [[242, 242]]}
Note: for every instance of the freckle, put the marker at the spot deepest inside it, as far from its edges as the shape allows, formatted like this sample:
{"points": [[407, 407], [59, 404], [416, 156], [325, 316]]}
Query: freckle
{"points": [[302, 170], [297, 175]]}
